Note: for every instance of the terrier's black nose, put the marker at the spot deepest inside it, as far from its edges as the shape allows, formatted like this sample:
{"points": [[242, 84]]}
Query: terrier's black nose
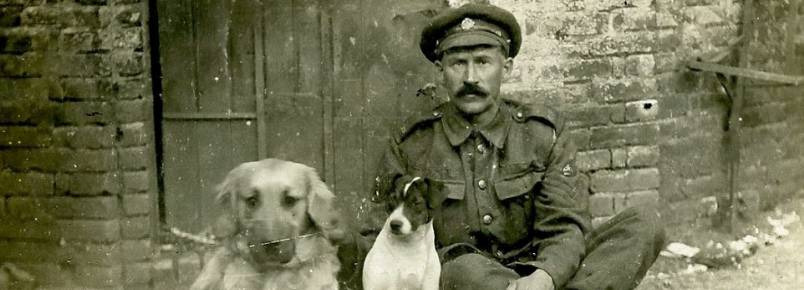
{"points": [[396, 226]]}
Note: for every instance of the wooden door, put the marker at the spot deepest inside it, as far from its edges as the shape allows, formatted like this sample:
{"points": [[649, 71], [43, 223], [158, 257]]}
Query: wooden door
{"points": [[312, 81]]}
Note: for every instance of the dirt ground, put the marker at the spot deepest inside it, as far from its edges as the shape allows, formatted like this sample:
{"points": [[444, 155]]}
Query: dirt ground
{"points": [[778, 266]]}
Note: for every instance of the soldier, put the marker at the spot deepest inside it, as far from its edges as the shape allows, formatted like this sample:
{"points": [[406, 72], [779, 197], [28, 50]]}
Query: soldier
{"points": [[510, 220]]}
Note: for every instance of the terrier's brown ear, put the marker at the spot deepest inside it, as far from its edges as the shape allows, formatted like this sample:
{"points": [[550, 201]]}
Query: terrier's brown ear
{"points": [[436, 193]]}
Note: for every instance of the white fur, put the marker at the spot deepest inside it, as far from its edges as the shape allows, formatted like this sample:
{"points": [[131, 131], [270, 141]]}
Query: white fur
{"points": [[402, 262]]}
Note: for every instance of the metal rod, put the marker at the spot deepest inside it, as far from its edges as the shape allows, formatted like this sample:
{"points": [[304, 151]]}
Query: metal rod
{"points": [[747, 73]]}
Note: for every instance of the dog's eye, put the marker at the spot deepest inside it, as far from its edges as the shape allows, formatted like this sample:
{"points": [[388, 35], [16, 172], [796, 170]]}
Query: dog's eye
{"points": [[253, 201], [287, 200]]}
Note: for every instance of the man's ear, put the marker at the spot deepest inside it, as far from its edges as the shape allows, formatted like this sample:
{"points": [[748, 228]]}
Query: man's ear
{"points": [[508, 65], [436, 193]]}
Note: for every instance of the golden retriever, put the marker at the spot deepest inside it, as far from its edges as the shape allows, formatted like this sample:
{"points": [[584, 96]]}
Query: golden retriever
{"points": [[278, 228]]}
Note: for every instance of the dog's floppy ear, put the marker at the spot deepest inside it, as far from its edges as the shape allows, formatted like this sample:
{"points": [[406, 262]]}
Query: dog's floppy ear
{"points": [[226, 224], [436, 193], [321, 207]]}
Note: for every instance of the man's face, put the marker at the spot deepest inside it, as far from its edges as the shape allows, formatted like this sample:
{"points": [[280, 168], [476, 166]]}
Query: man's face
{"points": [[473, 75]]}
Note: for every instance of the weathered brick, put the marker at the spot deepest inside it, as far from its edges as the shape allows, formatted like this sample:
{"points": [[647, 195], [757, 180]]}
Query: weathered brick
{"points": [[164, 274], [86, 137], [136, 227], [134, 158], [586, 116], [624, 90], [30, 251], [136, 250], [189, 265], [41, 159], [3, 207], [64, 16], [123, 38], [639, 111], [28, 183], [10, 16], [614, 44], [642, 198], [137, 273], [79, 40], [84, 207], [134, 134], [29, 209], [601, 205], [47, 274], [703, 15], [81, 160], [617, 136], [618, 158], [625, 180], [125, 89], [640, 65], [87, 113], [80, 89], [579, 70], [636, 19], [137, 204], [593, 160], [79, 253], [123, 15], [99, 276], [136, 182], [94, 183], [80, 65], [27, 65], [14, 43], [90, 230], [31, 90], [642, 156], [17, 136], [128, 63], [133, 111], [30, 230]]}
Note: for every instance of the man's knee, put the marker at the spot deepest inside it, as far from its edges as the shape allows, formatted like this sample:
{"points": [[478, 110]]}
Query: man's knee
{"points": [[475, 271], [463, 266], [646, 223]]}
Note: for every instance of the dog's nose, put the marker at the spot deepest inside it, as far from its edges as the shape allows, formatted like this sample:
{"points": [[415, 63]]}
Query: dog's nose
{"points": [[396, 225]]}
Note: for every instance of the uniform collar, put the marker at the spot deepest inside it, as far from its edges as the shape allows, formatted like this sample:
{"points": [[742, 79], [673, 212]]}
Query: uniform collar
{"points": [[458, 129]]}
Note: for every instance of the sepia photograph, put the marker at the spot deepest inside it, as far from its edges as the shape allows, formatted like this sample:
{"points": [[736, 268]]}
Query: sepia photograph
{"points": [[402, 144]]}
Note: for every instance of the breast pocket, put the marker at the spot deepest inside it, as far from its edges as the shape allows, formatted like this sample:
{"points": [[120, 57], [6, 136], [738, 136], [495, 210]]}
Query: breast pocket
{"points": [[514, 189]]}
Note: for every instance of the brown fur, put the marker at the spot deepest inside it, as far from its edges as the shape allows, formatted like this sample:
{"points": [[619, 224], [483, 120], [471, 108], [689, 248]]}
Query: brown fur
{"points": [[278, 230]]}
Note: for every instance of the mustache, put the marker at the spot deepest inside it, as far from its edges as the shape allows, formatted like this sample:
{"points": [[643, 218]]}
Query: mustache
{"points": [[469, 88]]}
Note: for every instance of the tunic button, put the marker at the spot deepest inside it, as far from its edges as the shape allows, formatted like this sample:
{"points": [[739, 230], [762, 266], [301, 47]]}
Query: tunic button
{"points": [[519, 114], [481, 184], [481, 148], [487, 219], [498, 253]]}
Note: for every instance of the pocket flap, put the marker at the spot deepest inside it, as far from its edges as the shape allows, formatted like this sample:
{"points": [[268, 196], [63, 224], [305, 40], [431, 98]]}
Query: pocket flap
{"points": [[517, 186], [456, 190]]}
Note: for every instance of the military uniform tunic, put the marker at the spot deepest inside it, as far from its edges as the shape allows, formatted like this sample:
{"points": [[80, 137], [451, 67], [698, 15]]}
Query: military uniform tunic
{"points": [[511, 183]]}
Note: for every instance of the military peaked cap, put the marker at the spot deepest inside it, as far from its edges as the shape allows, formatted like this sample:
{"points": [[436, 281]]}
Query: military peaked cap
{"points": [[470, 25]]}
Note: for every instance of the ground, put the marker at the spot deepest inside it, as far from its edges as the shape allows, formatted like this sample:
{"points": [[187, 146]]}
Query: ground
{"points": [[779, 266]]}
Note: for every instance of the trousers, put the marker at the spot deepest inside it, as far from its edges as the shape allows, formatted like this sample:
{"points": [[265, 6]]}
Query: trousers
{"points": [[618, 254]]}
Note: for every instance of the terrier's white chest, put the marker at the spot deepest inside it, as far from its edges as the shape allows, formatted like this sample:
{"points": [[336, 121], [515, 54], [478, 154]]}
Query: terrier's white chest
{"points": [[410, 265]]}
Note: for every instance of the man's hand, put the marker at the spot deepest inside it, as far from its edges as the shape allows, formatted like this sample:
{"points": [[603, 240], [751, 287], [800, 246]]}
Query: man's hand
{"points": [[538, 280]]}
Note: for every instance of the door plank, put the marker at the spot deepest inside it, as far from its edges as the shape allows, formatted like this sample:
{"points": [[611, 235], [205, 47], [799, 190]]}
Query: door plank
{"points": [[177, 51], [214, 79], [181, 174]]}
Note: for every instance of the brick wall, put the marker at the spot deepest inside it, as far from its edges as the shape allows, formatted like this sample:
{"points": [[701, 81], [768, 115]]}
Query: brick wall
{"points": [[648, 129], [76, 141]]}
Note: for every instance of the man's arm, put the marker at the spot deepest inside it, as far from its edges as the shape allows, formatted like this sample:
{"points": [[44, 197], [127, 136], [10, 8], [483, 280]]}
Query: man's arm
{"points": [[560, 223]]}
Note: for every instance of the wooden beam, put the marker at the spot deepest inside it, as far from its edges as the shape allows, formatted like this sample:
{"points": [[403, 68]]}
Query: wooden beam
{"points": [[746, 73], [209, 116]]}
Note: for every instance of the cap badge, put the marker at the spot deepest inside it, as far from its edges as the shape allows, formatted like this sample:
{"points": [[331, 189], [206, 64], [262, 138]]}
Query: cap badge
{"points": [[467, 23]]}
